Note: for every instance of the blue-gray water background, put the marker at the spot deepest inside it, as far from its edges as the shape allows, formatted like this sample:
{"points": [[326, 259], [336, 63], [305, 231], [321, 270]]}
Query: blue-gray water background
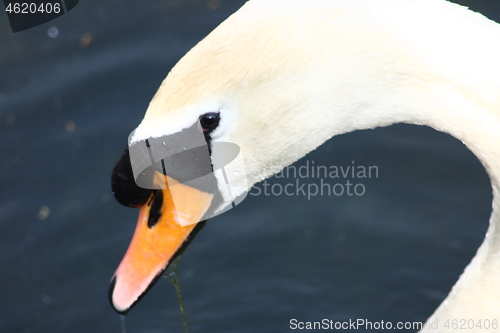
{"points": [[67, 105]]}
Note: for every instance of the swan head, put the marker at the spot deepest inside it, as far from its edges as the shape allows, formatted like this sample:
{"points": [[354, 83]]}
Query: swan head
{"points": [[241, 105], [187, 161], [179, 175]]}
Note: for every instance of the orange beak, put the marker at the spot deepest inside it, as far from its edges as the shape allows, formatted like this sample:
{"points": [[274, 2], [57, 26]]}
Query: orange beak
{"points": [[162, 230]]}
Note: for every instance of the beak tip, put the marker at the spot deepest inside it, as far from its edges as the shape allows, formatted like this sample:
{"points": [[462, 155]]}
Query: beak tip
{"points": [[110, 295]]}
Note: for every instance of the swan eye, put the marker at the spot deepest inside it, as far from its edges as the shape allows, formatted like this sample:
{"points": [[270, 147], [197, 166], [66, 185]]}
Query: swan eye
{"points": [[209, 121]]}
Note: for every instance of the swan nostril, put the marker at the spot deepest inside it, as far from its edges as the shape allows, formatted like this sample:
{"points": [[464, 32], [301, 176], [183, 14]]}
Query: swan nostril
{"points": [[156, 208]]}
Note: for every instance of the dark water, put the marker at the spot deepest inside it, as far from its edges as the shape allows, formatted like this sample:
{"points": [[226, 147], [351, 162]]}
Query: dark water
{"points": [[66, 109]]}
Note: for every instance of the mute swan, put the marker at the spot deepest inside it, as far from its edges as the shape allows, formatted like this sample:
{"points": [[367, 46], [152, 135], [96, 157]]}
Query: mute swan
{"points": [[278, 78]]}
